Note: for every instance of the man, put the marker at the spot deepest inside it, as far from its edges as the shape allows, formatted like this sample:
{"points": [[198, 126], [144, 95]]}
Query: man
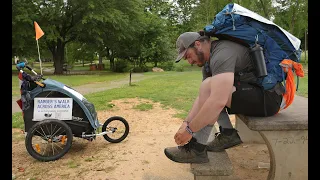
{"points": [[228, 83]]}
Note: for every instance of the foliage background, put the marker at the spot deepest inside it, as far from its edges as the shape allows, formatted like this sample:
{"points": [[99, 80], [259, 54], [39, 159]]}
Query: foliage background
{"points": [[130, 32]]}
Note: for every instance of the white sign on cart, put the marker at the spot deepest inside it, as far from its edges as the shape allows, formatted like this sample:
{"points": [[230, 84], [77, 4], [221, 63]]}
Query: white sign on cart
{"points": [[52, 108]]}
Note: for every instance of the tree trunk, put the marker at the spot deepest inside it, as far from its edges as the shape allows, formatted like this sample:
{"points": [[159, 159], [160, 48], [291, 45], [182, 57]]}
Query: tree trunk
{"points": [[100, 58], [58, 57], [111, 57], [100, 65], [294, 17], [141, 62]]}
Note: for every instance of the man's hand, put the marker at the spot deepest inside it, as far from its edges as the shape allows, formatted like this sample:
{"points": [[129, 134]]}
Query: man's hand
{"points": [[183, 125], [182, 136]]}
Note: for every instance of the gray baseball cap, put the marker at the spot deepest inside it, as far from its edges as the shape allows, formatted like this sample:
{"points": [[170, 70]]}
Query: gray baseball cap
{"points": [[184, 41]]}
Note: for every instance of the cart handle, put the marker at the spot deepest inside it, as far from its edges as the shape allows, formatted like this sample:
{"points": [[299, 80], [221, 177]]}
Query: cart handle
{"points": [[21, 65]]}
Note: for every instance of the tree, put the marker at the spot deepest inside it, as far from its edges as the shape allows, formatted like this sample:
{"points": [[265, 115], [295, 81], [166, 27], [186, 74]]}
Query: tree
{"points": [[135, 30], [65, 23], [292, 15], [23, 34], [112, 24]]}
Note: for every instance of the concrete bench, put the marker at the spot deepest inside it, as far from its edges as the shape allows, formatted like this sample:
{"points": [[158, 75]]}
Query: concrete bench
{"points": [[219, 167], [286, 136]]}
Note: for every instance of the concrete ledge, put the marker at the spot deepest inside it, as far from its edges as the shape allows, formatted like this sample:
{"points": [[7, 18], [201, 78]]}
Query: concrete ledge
{"points": [[219, 165], [288, 152], [295, 117], [247, 135], [286, 136]]}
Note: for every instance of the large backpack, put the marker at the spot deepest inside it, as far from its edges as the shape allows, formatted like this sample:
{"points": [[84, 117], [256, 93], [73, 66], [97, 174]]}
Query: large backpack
{"points": [[241, 25]]}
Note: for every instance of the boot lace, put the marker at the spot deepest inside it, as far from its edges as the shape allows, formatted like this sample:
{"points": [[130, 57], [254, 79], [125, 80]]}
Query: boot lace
{"points": [[186, 147]]}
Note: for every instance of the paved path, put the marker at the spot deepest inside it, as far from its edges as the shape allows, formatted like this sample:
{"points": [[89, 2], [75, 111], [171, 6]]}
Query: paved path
{"points": [[94, 87]]}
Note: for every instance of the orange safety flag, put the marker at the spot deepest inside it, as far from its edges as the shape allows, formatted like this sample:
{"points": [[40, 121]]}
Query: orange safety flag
{"points": [[288, 65], [39, 32]]}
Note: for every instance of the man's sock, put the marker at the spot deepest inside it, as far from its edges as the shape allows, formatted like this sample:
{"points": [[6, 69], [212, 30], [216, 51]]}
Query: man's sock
{"points": [[224, 122], [203, 135]]}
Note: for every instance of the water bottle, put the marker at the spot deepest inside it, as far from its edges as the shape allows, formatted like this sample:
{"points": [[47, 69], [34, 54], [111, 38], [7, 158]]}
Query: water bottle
{"points": [[257, 57]]}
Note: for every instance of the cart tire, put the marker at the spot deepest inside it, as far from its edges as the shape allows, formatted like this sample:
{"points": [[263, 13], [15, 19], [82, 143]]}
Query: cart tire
{"points": [[54, 129], [123, 136]]}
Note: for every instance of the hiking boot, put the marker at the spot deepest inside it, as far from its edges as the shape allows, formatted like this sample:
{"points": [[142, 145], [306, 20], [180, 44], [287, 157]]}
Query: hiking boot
{"points": [[192, 152], [224, 139]]}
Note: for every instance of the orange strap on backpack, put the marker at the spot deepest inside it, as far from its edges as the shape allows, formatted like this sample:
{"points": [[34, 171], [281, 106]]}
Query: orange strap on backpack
{"points": [[288, 96]]}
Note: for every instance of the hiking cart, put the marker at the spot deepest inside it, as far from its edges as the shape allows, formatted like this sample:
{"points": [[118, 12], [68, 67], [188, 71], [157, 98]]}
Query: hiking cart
{"points": [[54, 113]]}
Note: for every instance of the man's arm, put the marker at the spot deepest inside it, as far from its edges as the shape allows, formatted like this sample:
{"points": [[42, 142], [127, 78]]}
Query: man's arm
{"points": [[193, 110], [221, 90]]}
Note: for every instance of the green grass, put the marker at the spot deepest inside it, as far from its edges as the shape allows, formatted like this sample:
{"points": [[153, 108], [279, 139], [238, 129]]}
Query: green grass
{"points": [[302, 86], [81, 68], [74, 80], [18, 136], [72, 164], [49, 65], [143, 106], [304, 57], [88, 159], [37, 65], [174, 89], [17, 120], [183, 65]]}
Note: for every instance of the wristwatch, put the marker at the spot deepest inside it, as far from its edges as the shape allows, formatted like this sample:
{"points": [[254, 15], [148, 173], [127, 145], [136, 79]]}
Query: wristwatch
{"points": [[188, 129]]}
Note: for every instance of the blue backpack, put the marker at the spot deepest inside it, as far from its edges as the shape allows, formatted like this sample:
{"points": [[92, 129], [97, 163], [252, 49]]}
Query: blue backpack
{"points": [[241, 25]]}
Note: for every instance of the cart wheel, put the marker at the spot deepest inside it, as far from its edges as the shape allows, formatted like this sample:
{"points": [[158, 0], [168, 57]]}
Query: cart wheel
{"points": [[49, 140], [117, 129]]}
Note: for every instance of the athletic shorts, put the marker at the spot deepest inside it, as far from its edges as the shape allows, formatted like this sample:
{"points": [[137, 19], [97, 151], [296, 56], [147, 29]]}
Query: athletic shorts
{"points": [[253, 100]]}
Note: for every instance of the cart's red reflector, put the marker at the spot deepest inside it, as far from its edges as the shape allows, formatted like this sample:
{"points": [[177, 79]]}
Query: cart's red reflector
{"points": [[19, 103]]}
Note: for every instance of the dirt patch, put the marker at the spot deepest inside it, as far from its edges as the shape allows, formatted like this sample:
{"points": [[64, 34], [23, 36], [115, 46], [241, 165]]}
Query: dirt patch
{"points": [[139, 156]]}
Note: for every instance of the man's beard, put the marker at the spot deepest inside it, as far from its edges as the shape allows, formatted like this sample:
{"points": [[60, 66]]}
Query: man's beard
{"points": [[200, 55]]}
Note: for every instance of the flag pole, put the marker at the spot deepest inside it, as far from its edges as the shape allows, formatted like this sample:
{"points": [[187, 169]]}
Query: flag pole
{"points": [[39, 57], [39, 34]]}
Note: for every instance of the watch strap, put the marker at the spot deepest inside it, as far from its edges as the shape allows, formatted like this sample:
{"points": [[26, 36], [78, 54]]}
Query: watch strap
{"points": [[189, 130]]}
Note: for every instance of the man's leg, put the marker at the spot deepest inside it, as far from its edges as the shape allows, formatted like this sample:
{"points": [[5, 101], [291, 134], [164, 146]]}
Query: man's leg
{"points": [[223, 120], [195, 150], [227, 137], [249, 100]]}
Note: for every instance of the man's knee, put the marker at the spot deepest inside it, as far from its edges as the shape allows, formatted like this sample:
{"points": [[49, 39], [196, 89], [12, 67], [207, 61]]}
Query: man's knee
{"points": [[205, 90]]}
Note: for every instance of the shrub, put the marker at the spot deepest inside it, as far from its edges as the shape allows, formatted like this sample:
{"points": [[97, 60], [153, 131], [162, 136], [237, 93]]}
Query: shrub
{"points": [[142, 68], [167, 66], [121, 66], [179, 68]]}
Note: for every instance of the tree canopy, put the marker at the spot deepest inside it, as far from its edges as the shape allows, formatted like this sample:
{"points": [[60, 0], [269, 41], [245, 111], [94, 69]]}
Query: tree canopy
{"points": [[136, 31]]}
